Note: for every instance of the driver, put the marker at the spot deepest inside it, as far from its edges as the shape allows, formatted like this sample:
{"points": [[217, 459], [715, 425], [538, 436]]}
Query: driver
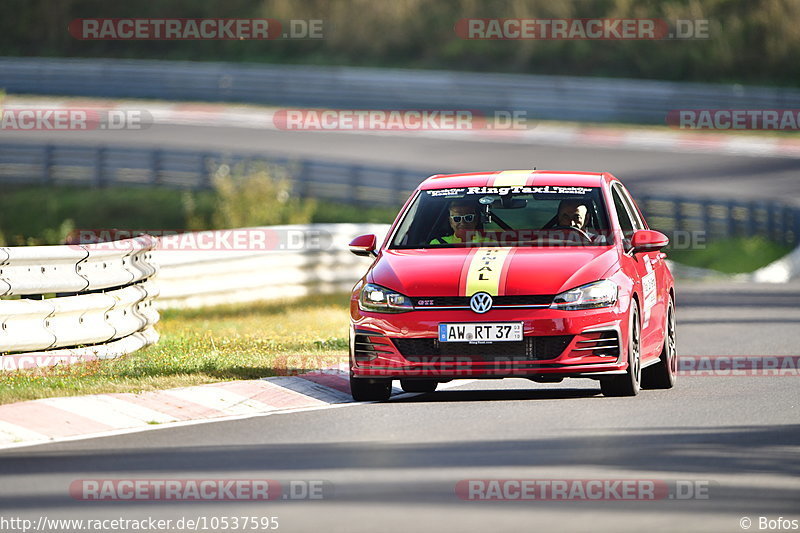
{"points": [[572, 214], [465, 223]]}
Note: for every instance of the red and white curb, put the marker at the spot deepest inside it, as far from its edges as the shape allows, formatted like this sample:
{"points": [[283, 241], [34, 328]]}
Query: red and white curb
{"points": [[254, 117], [74, 417]]}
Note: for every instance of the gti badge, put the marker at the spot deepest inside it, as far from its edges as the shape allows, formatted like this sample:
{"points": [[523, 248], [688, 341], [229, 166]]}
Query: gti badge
{"points": [[480, 302]]}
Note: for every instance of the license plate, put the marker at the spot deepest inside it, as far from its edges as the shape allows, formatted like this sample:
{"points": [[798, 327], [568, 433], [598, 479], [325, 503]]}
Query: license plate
{"points": [[481, 333]]}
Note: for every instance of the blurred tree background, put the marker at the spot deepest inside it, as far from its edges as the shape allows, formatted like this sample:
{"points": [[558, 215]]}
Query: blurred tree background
{"points": [[751, 41]]}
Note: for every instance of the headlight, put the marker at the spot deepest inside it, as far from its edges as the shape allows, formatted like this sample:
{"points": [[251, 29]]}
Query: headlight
{"points": [[590, 296], [382, 300]]}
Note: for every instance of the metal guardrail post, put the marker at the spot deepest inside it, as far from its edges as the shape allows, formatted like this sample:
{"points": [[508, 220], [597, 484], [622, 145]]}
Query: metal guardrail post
{"points": [[705, 215], [771, 226], [396, 186], [677, 213], [301, 179], [204, 178], [787, 224], [155, 167], [731, 220], [47, 164], [99, 167], [355, 172], [780, 224], [752, 216]]}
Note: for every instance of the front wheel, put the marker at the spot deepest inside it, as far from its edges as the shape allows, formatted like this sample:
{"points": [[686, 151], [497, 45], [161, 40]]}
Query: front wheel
{"points": [[662, 375], [370, 390], [628, 383]]}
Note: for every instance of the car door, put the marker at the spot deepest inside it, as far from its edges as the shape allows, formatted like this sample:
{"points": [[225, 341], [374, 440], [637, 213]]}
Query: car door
{"points": [[644, 265], [657, 258]]}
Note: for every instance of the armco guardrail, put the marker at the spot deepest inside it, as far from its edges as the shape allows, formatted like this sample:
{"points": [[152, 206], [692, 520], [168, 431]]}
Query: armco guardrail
{"points": [[100, 166], [352, 184], [711, 219], [102, 305], [315, 259], [542, 97]]}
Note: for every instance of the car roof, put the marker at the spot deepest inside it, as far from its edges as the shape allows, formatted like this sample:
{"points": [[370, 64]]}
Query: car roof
{"points": [[517, 178]]}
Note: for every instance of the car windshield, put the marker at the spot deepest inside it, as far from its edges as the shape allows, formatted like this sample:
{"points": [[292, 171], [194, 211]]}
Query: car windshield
{"points": [[505, 216]]}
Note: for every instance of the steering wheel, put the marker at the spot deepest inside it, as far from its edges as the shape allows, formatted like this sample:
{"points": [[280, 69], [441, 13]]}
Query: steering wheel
{"points": [[576, 230]]}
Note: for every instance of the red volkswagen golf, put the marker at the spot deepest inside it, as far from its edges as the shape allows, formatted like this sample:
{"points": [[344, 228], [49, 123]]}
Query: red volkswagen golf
{"points": [[530, 274]]}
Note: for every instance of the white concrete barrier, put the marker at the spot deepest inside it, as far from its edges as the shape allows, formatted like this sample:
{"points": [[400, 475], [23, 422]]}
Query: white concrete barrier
{"points": [[66, 302], [190, 278]]}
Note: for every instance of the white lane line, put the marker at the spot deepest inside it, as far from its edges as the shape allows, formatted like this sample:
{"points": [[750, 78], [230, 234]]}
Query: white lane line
{"points": [[145, 414], [37, 439], [312, 389], [99, 409], [13, 434], [219, 399], [152, 427]]}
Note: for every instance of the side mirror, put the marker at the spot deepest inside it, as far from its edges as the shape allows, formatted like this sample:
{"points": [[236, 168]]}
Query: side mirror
{"points": [[646, 240], [364, 245]]}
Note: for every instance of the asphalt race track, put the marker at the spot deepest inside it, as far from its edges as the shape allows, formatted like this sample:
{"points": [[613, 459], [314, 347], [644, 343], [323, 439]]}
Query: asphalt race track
{"points": [[733, 440]]}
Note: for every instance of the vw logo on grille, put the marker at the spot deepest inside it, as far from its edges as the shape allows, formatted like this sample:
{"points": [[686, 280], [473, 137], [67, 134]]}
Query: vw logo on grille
{"points": [[480, 302]]}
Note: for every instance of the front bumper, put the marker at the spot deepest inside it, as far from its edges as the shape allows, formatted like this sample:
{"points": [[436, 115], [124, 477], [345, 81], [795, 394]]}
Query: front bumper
{"points": [[586, 343]]}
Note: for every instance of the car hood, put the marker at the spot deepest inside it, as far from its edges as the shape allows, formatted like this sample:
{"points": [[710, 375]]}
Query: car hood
{"points": [[521, 271]]}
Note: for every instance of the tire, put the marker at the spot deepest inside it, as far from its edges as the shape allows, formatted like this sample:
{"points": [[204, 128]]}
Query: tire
{"points": [[662, 375], [628, 384], [418, 385], [370, 390]]}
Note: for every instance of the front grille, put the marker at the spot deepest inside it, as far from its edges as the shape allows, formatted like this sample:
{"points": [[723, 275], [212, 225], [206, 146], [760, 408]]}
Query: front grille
{"points": [[532, 348], [367, 348], [463, 301]]}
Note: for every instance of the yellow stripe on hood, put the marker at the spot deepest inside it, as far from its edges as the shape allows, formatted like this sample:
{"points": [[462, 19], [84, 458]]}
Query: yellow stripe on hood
{"points": [[484, 271], [511, 178]]}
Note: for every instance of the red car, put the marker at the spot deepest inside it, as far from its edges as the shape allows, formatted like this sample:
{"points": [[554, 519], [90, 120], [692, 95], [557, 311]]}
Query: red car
{"points": [[534, 274]]}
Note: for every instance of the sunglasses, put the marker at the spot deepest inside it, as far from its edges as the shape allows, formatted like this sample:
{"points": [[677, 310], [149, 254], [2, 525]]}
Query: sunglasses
{"points": [[465, 218]]}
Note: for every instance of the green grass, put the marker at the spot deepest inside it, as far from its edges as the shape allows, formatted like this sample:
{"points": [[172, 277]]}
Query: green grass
{"points": [[42, 215], [33, 215], [732, 256], [246, 341]]}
